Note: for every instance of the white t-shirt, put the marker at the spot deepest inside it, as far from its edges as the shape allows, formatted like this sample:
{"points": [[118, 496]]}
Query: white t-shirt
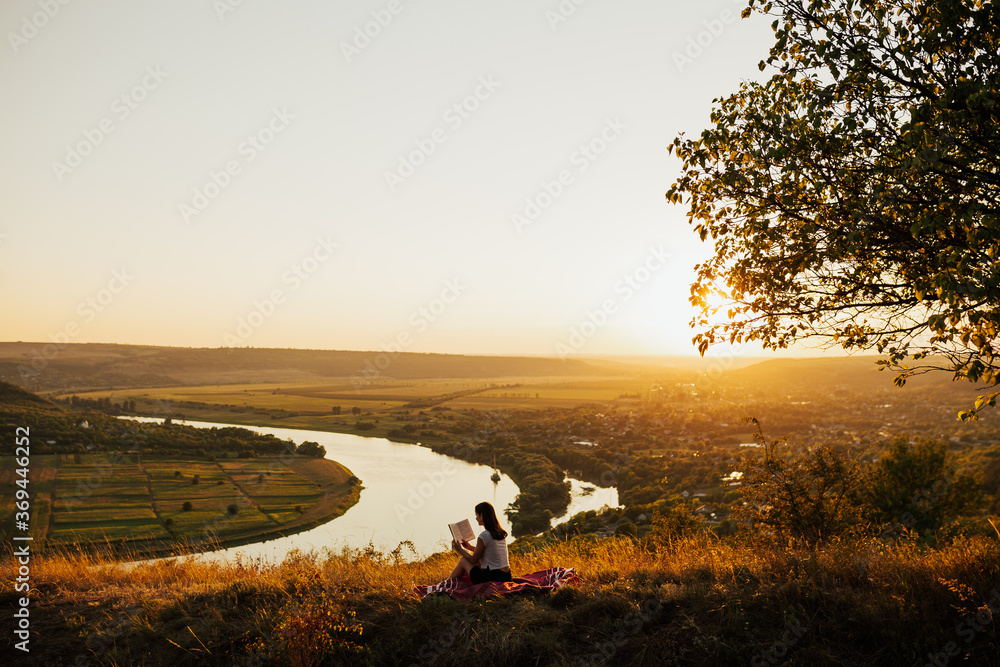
{"points": [[495, 555]]}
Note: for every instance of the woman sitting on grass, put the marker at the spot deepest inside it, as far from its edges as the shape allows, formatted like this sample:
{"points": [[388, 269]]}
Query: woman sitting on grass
{"points": [[489, 561]]}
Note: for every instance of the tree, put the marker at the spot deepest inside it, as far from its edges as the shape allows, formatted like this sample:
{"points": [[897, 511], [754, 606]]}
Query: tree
{"points": [[919, 487], [811, 497], [852, 198], [310, 448]]}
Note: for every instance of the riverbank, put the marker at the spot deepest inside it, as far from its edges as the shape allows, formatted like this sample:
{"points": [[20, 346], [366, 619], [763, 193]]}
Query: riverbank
{"points": [[543, 491], [151, 506]]}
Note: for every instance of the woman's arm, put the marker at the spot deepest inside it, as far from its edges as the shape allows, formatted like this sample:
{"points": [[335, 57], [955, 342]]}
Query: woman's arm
{"points": [[478, 555], [473, 558]]}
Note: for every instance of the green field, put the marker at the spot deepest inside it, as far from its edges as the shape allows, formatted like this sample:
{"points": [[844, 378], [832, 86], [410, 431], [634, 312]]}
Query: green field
{"points": [[228, 402], [102, 497], [113, 497], [384, 402]]}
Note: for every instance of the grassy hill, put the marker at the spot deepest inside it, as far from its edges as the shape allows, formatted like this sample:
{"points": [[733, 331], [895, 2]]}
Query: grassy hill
{"points": [[666, 601], [12, 396]]}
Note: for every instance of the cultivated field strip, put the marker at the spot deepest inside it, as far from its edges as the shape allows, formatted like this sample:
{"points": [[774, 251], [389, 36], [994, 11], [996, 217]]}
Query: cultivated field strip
{"points": [[80, 498]]}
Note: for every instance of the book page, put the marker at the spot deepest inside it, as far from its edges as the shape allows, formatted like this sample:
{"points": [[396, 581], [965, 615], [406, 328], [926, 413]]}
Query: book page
{"points": [[462, 531]]}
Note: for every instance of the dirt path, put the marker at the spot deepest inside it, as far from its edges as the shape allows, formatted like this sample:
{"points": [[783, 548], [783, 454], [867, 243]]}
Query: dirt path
{"points": [[247, 495], [152, 499]]}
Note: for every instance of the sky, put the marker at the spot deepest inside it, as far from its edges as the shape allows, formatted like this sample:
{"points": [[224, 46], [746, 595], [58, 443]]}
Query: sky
{"points": [[451, 176]]}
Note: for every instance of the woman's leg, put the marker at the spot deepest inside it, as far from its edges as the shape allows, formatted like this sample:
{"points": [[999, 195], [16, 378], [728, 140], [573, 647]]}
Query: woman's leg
{"points": [[461, 569]]}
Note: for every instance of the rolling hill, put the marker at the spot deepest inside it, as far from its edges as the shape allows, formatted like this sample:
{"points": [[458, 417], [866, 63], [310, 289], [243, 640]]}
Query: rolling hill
{"points": [[95, 365]]}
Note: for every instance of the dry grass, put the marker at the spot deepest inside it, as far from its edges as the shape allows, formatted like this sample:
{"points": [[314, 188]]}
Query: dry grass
{"points": [[697, 600]]}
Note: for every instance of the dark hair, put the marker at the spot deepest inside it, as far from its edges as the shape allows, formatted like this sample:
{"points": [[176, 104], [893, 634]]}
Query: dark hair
{"points": [[490, 521]]}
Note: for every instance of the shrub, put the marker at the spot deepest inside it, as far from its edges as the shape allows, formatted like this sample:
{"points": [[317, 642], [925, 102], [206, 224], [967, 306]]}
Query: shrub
{"points": [[811, 497], [919, 487], [315, 630], [310, 448]]}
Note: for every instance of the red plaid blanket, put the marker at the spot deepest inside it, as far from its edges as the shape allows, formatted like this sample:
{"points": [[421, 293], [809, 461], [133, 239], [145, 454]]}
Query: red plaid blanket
{"points": [[463, 588]]}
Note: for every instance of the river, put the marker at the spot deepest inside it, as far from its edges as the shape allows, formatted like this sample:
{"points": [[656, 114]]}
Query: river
{"points": [[410, 494]]}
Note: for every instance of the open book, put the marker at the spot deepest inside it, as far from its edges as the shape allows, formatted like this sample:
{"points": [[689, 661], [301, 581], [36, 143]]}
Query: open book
{"points": [[462, 531]]}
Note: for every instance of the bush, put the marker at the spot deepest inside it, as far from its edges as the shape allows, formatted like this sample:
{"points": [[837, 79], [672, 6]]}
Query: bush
{"points": [[918, 486], [811, 497], [316, 630], [310, 448], [626, 527]]}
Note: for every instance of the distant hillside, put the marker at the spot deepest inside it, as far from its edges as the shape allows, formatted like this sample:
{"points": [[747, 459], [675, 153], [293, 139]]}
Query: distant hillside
{"points": [[687, 362], [856, 373], [93, 365], [13, 396]]}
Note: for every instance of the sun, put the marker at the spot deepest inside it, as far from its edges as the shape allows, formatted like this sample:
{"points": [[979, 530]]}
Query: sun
{"points": [[716, 302]]}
